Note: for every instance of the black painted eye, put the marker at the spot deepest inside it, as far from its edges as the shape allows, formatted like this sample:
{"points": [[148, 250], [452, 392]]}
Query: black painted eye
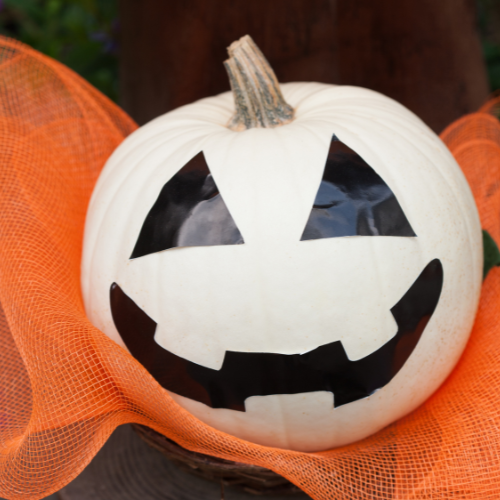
{"points": [[189, 212], [353, 200]]}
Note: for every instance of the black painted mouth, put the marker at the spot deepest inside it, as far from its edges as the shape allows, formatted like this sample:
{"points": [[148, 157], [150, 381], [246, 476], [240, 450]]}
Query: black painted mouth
{"points": [[326, 368]]}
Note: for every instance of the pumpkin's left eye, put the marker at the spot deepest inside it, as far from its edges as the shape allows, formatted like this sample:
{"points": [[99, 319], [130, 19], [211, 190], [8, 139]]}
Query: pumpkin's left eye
{"points": [[189, 212], [353, 200]]}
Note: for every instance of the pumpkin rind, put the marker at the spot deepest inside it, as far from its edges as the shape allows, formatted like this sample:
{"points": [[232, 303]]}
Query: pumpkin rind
{"points": [[276, 293]]}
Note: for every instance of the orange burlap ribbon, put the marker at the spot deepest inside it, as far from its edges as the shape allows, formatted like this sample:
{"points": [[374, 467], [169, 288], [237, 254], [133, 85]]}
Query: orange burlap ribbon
{"points": [[64, 386]]}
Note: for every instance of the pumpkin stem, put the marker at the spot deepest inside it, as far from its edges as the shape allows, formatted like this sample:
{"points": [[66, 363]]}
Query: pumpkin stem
{"points": [[257, 94]]}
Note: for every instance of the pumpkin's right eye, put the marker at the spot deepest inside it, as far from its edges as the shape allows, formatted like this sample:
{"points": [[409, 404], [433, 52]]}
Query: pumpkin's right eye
{"points": [[189, 211], [353, 200]]}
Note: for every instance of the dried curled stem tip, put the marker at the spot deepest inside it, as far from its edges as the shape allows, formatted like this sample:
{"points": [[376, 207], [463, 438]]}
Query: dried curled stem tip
{"points": [[257, 94]]}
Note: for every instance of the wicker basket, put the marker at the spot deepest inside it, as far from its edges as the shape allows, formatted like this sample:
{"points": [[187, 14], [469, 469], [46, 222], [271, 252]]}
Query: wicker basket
{"points": [[250, 478]]}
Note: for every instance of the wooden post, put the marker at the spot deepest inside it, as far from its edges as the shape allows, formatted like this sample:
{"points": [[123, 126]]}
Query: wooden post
{"points": [[172, 52], [425, 54]]}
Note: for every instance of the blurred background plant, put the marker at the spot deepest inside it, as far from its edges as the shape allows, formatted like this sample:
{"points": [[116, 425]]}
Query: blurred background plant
{"points": [[80, 33], [489, 28], [83, 34]]}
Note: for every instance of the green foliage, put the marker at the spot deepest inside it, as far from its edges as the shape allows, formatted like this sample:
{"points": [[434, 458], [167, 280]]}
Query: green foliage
{"points": [[489, 28], [79, 33], [491, 253], [492, 56]]}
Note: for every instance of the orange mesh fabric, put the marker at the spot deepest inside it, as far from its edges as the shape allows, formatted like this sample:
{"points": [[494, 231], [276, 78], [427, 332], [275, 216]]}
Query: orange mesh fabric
{"points": [[64, 386]]}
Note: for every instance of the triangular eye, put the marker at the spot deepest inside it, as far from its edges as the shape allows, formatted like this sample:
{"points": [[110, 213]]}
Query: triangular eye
{"points": [[189, 212], [353, 200]]}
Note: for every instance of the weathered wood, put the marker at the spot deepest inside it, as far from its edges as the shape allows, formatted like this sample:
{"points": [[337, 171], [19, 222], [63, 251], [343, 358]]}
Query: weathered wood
{"points": [[425, 54], [172, 53], [127, 468]]}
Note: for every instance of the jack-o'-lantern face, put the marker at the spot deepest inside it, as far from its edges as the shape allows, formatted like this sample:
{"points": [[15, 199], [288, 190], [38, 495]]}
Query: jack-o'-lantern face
{"points": [[352, 200], [300, 287]]}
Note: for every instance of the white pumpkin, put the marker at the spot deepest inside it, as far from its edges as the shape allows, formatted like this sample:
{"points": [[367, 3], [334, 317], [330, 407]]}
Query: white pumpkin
{"points": [[276, 292]]}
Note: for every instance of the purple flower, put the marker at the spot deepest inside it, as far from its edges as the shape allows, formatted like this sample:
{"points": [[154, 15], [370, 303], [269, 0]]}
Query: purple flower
{"points": [[97, 36]]}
